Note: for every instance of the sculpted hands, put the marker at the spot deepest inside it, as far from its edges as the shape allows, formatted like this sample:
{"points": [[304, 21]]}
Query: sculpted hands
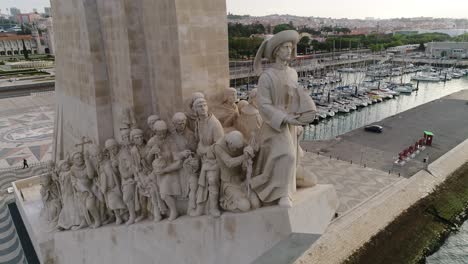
{"points": [[248, 152], [185, 154], [292, 120]]}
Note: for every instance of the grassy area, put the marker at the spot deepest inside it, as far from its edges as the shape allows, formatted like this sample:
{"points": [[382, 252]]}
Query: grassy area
{"points": [[21, 73], [422, 229]]}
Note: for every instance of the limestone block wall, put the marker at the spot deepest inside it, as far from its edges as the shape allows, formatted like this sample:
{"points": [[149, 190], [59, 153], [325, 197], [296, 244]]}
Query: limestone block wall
{"points": [[146, 55]]}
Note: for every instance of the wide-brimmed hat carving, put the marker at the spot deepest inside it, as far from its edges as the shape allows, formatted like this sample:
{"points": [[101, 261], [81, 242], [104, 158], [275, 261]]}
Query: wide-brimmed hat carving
{"points": [[269, 45]]}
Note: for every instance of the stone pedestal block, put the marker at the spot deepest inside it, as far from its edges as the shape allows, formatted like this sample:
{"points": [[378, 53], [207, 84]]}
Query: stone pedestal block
{"points": [[232, 238]]}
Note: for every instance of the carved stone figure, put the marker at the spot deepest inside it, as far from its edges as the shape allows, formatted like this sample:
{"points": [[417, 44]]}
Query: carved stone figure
{"points": [[209, 131], [190, 171], [85, 197], [70, 214], [182, 136], [125, 142], [168, 164], [227, 112], [232, 154], [150, 122], [190, 113], [93, 157], [184, 141], [50, 194], [141, 166], [275, 169], [109, 184], [250, 120], [126, 174]]}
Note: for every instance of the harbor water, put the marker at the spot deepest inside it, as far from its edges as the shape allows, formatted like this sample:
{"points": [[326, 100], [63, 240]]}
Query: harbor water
{"points": [[342, 123], [454, 250]]}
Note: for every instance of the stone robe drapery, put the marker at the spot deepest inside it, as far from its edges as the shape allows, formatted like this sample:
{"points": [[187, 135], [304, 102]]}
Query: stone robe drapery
{"points": [[169, 182], [275, 167], [184, 141], [209, 131], [70, 214], [83, 186], [51, 199], [109, 184], [227, 115], [126, 174], [141, 169]]}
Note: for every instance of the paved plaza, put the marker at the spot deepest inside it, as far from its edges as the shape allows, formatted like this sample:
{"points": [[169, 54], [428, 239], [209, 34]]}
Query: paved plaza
{"points": [[354, 184], [26, 129]]}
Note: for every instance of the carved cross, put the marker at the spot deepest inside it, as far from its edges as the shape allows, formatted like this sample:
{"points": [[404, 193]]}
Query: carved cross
{"points": [[83, 143]]}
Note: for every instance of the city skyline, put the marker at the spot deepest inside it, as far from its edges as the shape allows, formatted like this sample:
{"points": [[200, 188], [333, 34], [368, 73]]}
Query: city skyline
{"points": [[26, 6], [358, 9]]}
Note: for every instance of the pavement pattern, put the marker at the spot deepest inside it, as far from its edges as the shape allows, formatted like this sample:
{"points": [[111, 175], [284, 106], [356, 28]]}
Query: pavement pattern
{"points": [[26, 129], [354, 184]]}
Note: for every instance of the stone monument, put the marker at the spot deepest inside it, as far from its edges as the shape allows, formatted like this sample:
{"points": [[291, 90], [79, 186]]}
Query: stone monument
{"points": [[224, 192]]}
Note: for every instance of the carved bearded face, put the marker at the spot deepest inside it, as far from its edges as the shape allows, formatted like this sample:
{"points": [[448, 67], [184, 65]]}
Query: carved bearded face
{"points": [[284, 51]]}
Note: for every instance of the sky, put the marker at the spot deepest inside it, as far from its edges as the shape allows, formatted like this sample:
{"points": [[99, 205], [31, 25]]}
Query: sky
{"points": [[320, 8]]}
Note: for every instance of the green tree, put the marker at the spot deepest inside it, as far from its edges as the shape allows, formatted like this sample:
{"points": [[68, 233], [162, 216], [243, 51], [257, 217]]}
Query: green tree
{"points": [[421, 47], [310, 31], [240, 30], [303, 45], [282, 27], [326, 29]]}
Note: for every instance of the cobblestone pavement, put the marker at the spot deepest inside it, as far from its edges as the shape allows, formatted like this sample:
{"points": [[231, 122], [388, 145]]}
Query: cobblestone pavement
{"points": [[354, 184], [26, 128]]}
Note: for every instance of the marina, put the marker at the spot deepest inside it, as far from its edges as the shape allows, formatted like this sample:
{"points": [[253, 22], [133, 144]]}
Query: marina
{"points": [[351, 111]]}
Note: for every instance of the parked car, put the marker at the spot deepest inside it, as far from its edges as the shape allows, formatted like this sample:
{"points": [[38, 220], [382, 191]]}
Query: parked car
{"points": [[374, 128]]}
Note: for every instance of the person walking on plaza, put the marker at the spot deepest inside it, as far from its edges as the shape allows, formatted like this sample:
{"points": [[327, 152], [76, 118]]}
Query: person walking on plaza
{"points": [[25, 164]]}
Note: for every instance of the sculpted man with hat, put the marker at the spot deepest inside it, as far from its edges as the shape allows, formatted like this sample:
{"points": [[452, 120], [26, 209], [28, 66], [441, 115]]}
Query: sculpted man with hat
{"points": [[283, 105]]}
